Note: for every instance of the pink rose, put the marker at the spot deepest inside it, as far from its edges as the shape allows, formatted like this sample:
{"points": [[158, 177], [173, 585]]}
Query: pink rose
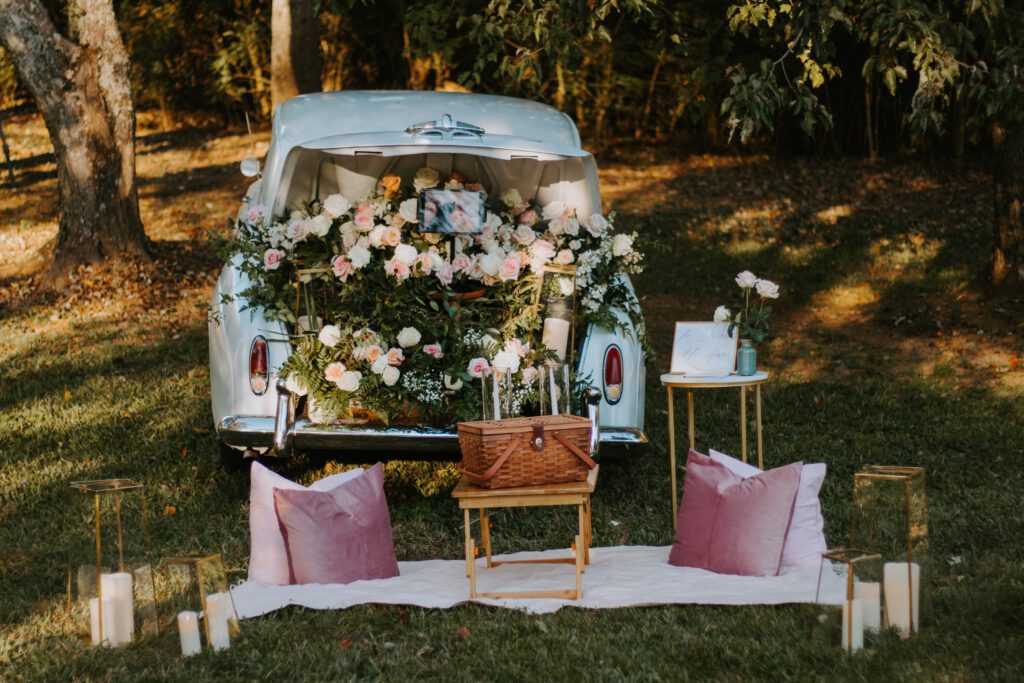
{"points": [[543, 250], [516, 346], [397, 269], [528, 217], [461, 263], [348, 240], [395, 356], [255, 213], [272, 258], [334, 372], [372, 353], [423, 264], [478, 367], [433, 350], [529, 374], [509, 269], [445, 274], [363, 217], [342, 268], [564, 257]]}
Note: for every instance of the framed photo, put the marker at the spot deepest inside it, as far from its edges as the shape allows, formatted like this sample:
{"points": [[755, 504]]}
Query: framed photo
{"points": [[452, 212], [704, 349]]}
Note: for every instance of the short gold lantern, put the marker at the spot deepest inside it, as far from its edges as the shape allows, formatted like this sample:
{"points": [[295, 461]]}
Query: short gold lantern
{"points": [[890, 516], [198, 591], [853, 576], [115, 585]]}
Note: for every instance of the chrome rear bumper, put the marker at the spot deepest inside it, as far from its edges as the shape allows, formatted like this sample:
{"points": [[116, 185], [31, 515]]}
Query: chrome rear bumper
{"points": [[255, 431]]}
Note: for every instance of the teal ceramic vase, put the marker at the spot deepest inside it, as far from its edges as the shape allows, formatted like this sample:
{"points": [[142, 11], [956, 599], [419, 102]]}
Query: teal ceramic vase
{"points": [[746, 359]]}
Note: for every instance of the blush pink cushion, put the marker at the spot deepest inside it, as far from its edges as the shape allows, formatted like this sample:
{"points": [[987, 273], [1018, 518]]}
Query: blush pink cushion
{"points": [[805, 541], [339, 536], [268, 557], [732, 525]]}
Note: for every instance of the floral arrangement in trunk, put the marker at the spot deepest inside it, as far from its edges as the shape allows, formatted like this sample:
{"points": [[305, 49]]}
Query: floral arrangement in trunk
{"points": [[752, 317], [407, 323]]}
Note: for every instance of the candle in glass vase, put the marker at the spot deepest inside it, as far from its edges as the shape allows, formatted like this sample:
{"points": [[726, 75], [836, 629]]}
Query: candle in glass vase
{"points": [[109, 621], [188, 631], [556, 336], [853, 625], [495, 378], [902, 594], [218, 612], [870, 595], [118, 586], [554, 395]]}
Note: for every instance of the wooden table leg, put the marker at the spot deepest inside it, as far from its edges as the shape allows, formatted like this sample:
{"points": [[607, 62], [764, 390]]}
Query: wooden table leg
{"points": [[743, 423], [485, 534], [471, 549], [690, 426], [468, 543], [672, 452], [579, 569], [588, 537], [760, 442], [581, 544]]}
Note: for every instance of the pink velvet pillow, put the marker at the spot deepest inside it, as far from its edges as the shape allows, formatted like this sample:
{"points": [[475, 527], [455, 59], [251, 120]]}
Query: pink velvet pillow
{"points": [[341, 535], [732, 525], [805, 540]]}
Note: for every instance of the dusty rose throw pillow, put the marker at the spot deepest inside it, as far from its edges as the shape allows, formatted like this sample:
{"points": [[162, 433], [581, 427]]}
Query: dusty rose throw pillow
{"points": [[805, 541], [732, 525], [268, 558], [338, 536]]}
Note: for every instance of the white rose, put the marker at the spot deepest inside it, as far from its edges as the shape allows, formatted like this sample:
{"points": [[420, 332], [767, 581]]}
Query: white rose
{"points": [[436, 262], [377, 236], [380, 364], [359, 256], [493, 221], [511, 198], [349, 381], [490, 263], [409, 210], [506, 361], [406, 253], [596, 224], [746, 279], [622, 245], [525, 235], [454, 184], [552, 210], [556, 226], [425, 179], [319, 225], [767, 289], [409, 336], [564, 257], [336, 205], [296, 385], [565, 286], [572, 227], [330, 335], [722, 315], [391, 375]]}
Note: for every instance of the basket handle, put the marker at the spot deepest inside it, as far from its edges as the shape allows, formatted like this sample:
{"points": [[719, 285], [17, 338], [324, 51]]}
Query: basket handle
{"points": [[493, 469], [575, 450]]}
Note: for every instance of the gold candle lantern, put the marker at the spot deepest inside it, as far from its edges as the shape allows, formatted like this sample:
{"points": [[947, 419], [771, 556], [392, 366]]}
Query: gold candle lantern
{"points": [[110, 570], [890, 516], [198, 591], [855, 577]]}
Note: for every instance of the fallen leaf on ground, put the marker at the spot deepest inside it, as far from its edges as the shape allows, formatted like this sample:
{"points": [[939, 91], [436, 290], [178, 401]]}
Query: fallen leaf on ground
{"points": [[346, 644], [463, 632], [170, 510]]}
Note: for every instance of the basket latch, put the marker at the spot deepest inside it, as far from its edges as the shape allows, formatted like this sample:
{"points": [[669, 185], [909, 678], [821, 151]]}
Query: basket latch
{"points": [[537, 441]]}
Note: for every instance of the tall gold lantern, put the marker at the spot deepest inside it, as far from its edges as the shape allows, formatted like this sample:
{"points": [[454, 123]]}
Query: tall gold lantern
{"points": [[890, 516]]}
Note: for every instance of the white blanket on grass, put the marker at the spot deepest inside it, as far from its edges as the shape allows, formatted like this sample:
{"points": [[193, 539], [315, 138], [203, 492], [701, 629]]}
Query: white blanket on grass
{"points": [[622, 576]]}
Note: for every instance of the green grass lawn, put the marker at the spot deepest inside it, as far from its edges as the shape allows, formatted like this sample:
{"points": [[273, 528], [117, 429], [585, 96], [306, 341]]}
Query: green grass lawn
{"points": [[884, 354]]}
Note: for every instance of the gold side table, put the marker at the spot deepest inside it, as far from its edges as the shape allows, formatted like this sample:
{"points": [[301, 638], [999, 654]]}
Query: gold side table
{"points": [[691, 384]]}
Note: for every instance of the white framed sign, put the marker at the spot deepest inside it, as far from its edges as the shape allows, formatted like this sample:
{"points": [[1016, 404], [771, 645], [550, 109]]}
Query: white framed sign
{"points": [[704, 349]]}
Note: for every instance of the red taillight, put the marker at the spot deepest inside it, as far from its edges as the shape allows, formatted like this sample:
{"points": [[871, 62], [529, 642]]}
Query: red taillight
{"points": [[612, 374], [259, 369]]}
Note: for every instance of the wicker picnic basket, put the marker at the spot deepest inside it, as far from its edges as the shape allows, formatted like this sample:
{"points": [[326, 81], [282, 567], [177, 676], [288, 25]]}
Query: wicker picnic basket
{"points": [[525, 451]]}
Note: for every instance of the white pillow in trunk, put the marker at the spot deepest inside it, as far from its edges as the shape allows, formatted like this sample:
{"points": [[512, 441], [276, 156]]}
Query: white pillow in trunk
{"points": [[805, 540], [268, 555]]}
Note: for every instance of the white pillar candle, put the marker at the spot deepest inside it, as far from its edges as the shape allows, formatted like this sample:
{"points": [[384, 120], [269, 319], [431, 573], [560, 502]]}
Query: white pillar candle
{"points": [[554, 396], [853, 625], [109, 621], [556, 336], [870, 596], [218, 611], [118, 586], [188, 631], [902, 596]]}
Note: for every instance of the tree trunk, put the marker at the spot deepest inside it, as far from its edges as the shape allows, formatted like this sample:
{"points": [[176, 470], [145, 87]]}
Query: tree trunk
{"points": [[84, 93], [294, 50], [1008, 181]]}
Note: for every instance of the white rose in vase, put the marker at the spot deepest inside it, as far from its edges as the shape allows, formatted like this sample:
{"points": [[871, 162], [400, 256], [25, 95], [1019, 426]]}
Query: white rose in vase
{"points": [[746, 280], [767, 289], [722, 315]]}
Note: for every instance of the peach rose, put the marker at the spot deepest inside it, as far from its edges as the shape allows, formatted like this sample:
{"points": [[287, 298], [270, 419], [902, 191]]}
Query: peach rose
{"points": [[391, 237], [391, 184], [333, 372], [509, 269], [395, 356], [397, 269]]}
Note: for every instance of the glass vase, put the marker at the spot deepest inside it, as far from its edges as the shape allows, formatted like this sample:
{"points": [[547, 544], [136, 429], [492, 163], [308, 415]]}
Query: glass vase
{"points": [[746, 358]]}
